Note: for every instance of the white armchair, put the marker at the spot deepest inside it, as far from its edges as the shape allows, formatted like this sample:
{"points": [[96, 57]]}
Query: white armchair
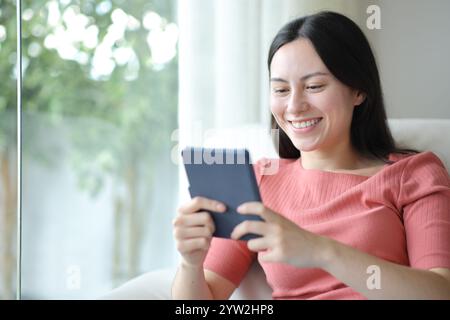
{"points": [[156, 285], [422, 134]]}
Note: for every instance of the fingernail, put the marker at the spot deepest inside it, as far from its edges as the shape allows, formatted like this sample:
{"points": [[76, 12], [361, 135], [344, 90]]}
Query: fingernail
{"points": [[220, 207]]}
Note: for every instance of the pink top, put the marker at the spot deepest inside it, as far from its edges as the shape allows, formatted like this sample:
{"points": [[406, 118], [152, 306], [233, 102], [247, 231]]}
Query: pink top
{"points": [[400, 214]]}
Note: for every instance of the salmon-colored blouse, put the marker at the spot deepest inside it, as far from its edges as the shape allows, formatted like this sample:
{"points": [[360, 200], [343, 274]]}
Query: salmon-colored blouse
{"points": [[400, 214]]}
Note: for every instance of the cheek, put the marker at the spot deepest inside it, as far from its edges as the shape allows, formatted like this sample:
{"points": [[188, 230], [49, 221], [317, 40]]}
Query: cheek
{"points": [[326, 101], [277, 107], [334, 105]]}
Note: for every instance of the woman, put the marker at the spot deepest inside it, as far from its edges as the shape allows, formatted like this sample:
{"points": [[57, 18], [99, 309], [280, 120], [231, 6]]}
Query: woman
{"points": [[345, 201]]}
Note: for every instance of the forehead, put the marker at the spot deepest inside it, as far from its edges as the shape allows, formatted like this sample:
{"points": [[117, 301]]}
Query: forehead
{"points": [[298, 57]]}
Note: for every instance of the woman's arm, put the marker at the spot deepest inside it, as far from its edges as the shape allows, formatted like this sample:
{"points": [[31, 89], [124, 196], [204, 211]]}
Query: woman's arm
{"points": [[196, 283], [190, 283], [193, 231], [284, 242], [352, 267]]}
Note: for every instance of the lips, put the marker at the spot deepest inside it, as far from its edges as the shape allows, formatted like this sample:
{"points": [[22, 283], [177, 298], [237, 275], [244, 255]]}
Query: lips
{"points": [[304, 120], [305, 125]]}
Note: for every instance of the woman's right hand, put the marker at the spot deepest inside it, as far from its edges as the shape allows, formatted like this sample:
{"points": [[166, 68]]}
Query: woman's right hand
{"points": [[193, 229]]}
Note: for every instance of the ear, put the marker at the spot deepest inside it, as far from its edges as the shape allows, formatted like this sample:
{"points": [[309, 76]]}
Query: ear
{"points": [[359, 98]]}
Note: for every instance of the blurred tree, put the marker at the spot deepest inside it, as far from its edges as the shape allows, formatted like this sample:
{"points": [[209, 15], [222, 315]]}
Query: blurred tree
{"points": [[111, 61]]}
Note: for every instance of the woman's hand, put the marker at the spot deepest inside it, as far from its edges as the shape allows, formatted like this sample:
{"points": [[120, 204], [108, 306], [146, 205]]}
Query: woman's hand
{"points": [[282, 240], [193, 229]]}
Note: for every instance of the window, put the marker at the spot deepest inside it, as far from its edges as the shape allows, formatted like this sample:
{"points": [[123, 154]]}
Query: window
{"points": [[99, 106], [8, 150]]}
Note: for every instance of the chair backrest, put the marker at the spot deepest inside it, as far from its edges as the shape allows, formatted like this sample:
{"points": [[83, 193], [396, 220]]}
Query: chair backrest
{"points": [[424, 135]]}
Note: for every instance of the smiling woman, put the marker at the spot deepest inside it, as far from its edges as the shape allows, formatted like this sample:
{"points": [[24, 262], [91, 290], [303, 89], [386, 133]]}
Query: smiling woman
{"points": [[345, 199]]}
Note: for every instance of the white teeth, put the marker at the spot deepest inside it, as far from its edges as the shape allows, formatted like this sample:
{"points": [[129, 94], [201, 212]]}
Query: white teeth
{"points": [[304, 124]]}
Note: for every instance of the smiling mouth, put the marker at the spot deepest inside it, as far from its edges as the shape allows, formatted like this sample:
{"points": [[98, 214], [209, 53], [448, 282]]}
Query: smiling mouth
{"points": [[305, 124]]}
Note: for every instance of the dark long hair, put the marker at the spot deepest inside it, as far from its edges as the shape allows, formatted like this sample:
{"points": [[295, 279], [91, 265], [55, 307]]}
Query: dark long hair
{"points": [[345, 51]]}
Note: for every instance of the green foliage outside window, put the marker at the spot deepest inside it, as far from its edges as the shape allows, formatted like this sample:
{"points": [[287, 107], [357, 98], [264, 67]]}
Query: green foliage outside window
{"points": [[112, 62]]}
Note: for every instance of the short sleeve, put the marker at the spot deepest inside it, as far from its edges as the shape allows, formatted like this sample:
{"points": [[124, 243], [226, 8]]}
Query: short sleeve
{"points": [[425, 199], [229, 258]]}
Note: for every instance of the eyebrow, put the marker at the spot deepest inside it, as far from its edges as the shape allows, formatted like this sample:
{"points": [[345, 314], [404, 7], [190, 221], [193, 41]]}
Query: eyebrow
{"points": [[305, 77]]}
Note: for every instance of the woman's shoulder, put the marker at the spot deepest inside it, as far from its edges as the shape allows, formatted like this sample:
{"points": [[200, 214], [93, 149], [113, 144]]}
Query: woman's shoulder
{"points": [[425, 158], [422, 174], [425, 163]]}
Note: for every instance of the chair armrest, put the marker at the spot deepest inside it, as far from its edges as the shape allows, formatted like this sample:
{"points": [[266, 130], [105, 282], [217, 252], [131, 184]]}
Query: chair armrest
{"points": [[156, 285], [153, 285]]}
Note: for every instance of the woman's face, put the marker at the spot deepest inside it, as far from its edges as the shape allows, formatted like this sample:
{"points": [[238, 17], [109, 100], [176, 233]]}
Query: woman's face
{"points": [[303, 89]]}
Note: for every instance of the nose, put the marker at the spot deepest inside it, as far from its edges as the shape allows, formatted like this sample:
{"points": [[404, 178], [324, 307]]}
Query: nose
{"points": [[297, 103]]}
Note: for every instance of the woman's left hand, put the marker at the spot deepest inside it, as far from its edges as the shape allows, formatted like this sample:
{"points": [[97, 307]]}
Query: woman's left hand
{"points": [[282, 240]]}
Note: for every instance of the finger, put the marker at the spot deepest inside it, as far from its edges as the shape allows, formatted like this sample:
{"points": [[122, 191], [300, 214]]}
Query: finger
{"points": [[248, 226], [256, 208], [193, 232], [189, 245], [267, 256], [259, 244], [201, 218], [198, 203]]}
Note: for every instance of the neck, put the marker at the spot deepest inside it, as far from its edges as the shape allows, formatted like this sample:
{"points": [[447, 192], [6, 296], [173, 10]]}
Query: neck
{"points": [[339, 157]]}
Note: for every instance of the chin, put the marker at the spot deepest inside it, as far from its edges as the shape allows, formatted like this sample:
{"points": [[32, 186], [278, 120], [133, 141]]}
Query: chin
{"points": [[306, 149], [302, 147]]}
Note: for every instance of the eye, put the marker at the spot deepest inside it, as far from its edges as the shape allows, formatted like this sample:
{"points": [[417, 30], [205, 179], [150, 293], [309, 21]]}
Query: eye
{"points": [[280, 91], [314, 87]]}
